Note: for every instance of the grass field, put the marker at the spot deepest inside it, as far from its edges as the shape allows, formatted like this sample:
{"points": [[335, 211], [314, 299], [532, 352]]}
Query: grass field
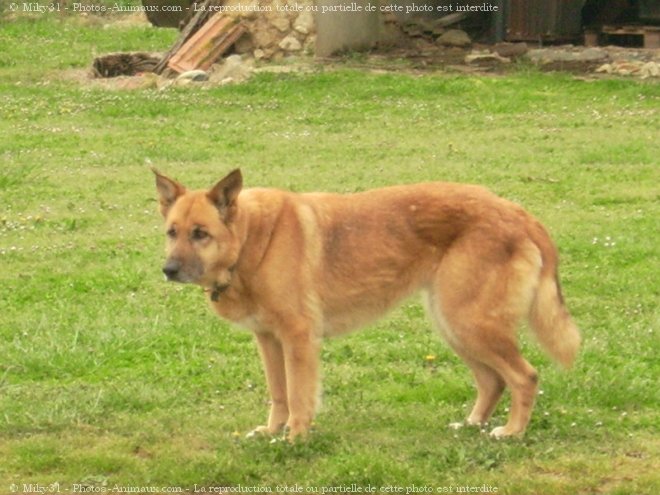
{"points": [[111, 378]]}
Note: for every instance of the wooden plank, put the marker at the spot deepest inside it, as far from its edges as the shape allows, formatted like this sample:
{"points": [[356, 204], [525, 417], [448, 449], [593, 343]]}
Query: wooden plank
{"points": [[197, 21], [211, 41], [623, 30], [652, 37]]}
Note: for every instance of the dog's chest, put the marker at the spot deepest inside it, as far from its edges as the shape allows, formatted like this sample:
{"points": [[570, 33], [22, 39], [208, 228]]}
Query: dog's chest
{"points": [[250, 323], [233, 308]]}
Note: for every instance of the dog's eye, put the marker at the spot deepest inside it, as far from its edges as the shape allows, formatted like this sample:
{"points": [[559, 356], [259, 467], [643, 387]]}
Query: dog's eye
{"points": [[171, 233], [199, 234]]}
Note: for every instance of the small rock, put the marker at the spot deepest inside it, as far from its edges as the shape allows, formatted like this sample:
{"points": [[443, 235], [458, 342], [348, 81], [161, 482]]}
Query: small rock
{"points": [[510, 50], [628, 68], [250, 9], [485, 56], [592, 55], [650, 69], [265, 37], [550, 55], [281, 23], [233, 69], [607, 68], [304, 23], [454, 37], [182, 82], [290, 44], [193, 75]]}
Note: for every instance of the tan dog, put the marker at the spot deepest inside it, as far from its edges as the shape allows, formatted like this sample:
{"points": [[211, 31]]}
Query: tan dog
{"points": [[295, 268]]}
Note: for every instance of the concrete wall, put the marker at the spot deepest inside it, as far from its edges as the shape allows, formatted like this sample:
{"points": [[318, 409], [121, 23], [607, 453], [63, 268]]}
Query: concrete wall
{"points": [[337, 31]]}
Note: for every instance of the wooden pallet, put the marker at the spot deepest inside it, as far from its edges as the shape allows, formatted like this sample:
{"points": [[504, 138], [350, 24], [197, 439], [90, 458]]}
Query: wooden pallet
{"points": [[651, 34]]}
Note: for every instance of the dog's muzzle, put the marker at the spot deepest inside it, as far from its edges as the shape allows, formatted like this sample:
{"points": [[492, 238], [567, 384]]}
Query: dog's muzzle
{"points": [[172, 269]]}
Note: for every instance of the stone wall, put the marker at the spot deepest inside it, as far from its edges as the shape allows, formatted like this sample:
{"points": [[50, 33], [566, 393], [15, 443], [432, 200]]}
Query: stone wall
{"points": [[275, 28]]}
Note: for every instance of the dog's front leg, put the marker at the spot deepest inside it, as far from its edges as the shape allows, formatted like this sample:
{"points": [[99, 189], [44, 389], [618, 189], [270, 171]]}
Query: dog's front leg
{"points": [[301, 358], [273, 359]]}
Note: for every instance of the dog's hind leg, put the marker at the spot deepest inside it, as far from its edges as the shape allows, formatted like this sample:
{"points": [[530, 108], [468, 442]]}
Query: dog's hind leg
{"points": [[478, 304], [490, 386], [505, 365]]}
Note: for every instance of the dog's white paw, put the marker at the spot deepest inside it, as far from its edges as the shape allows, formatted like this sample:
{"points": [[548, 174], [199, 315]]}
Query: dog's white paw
{"points": [[501, 432], [259, 431]]}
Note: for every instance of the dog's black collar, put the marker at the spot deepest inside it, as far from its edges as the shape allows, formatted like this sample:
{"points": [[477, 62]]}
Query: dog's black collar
{"points": [[218, 289]]}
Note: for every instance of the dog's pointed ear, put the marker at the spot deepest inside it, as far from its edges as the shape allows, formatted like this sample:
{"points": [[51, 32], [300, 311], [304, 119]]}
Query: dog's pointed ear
{"points": [[224, 194], [168, 191]]}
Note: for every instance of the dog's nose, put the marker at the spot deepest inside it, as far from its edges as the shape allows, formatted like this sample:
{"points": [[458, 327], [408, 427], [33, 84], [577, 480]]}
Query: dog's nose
{"points": [[171, 269]]}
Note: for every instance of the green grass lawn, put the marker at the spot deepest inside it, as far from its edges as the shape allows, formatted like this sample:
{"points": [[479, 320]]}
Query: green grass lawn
{"points": [[111, 377]]}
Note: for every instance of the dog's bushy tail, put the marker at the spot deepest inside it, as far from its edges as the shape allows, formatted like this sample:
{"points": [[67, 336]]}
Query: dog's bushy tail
{"points": [[549, 318]]}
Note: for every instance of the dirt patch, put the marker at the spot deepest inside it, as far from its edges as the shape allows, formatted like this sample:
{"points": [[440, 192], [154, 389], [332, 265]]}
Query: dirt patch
{"points": [[581, 61], [608, 60], [234, 69]]}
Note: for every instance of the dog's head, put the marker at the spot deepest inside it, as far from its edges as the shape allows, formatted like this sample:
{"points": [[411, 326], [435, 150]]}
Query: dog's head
{"points": [[202, 241]]}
